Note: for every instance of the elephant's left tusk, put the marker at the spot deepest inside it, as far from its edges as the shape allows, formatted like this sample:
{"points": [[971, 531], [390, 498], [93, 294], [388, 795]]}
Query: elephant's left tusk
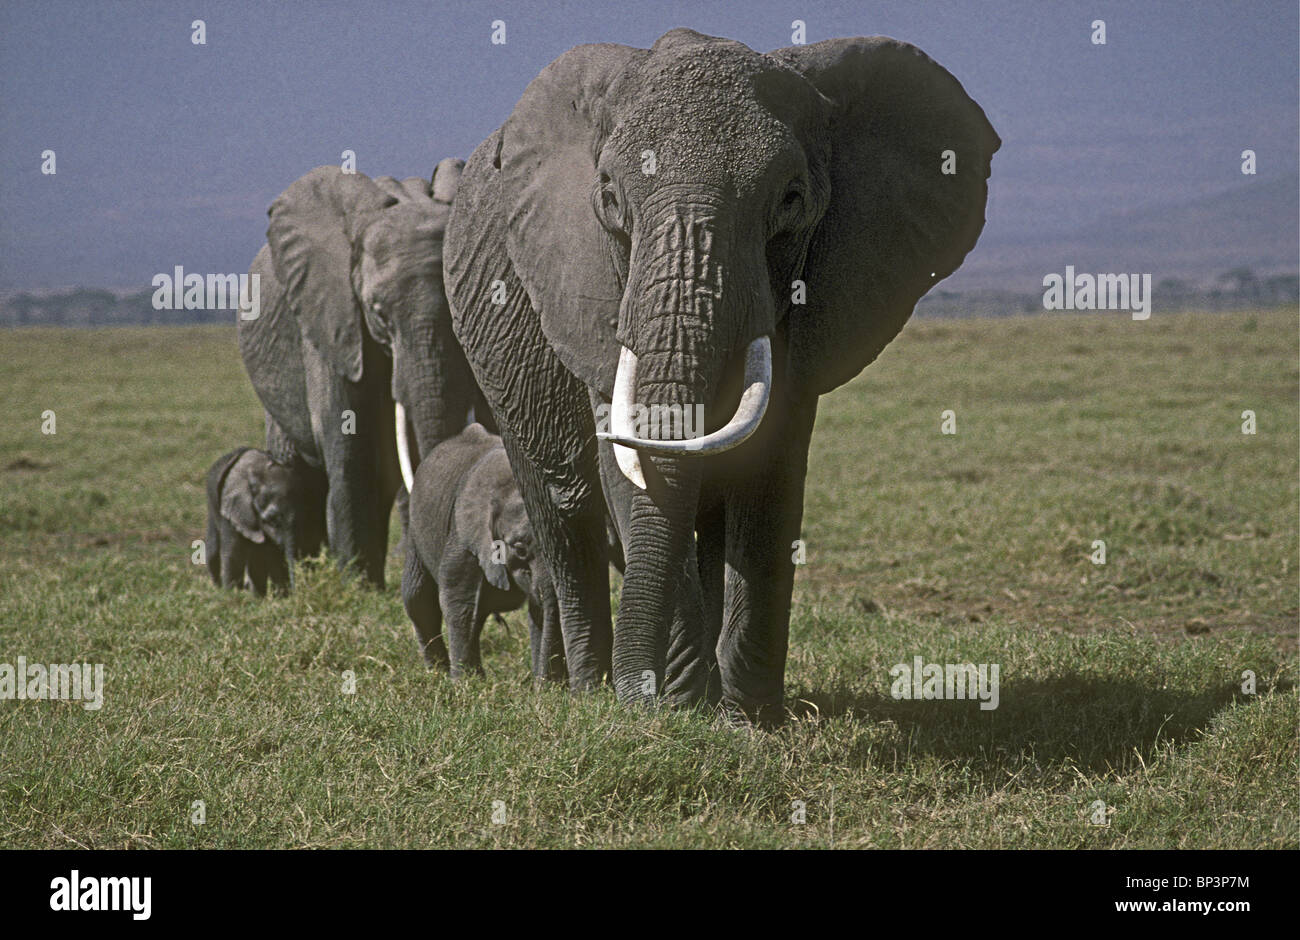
{"points": [[403, 450]]}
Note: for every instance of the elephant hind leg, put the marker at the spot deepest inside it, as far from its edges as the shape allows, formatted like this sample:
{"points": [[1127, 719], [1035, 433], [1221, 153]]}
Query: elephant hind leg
{"points": [[420, 598]]}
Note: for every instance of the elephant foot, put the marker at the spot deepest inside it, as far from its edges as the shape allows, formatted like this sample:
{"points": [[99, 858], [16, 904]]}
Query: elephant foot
{"points": [[764, 717], [687, 687]]}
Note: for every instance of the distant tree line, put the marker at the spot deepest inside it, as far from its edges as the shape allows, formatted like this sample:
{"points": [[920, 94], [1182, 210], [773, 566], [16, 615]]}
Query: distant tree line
{"points": [[86, 306], [1237, 289], [1234, 289]]}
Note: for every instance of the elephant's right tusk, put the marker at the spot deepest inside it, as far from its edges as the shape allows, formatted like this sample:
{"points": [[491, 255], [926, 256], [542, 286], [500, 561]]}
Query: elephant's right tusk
{"points": [[620, 418], [403, 449]]}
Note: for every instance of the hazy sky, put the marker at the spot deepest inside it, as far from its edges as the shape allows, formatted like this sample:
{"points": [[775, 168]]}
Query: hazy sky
{"points": [[169, 153]]}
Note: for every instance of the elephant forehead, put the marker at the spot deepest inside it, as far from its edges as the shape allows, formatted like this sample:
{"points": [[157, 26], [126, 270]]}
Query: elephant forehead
{"points": [[704, 119], [410, 240]]}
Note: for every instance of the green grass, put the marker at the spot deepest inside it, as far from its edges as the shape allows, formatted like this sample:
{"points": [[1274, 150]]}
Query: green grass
{"points": [[1119, 683]]}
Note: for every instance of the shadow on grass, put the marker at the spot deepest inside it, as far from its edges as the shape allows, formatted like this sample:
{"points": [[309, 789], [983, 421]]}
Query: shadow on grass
{"points": [[1096, 725]]}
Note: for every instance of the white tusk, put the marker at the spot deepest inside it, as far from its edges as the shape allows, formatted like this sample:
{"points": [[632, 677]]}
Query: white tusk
{"points": [[403, 450], [620, 417], [749, 413]]}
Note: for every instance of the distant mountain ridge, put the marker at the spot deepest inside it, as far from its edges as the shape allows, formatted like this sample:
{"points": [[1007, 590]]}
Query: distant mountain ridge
{"points": [[1236, 248], [1253, 224]]}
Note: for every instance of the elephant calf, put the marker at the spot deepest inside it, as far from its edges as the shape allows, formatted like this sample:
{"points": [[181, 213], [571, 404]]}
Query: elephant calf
{"points": [[254, 514], [470, 553]]}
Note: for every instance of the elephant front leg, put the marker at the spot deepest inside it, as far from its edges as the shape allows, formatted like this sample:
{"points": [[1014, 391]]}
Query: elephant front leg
{"points": [[710, 550], [547, 641], [212, 550], [459, 585], [764, 510], [572, 539], [351, 431], [688, 667], [234, 559]]}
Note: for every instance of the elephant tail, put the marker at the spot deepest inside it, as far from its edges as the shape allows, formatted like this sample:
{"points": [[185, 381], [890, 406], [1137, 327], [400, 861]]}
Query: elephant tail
{"points": [[403, 446]]}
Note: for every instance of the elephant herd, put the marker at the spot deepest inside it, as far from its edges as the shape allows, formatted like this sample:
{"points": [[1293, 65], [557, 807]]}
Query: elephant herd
{"points": [[694, 228]]}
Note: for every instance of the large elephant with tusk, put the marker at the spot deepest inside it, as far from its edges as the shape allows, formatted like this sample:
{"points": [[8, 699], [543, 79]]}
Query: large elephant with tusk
{"points": [[698, 224], [353, 355]]}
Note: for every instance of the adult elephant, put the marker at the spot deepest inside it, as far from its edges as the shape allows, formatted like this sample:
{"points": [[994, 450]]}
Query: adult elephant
{"points": [[354, 326], [699, 224]]}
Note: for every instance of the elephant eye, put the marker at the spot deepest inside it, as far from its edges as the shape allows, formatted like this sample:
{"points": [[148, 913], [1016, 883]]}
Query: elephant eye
{"points": [[792, 203], [607, 206], [789, 213]]}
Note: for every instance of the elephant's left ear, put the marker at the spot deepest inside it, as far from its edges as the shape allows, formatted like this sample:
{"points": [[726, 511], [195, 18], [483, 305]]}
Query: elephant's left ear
{"points": [[908, 166], [446, 179], [491, 548]]}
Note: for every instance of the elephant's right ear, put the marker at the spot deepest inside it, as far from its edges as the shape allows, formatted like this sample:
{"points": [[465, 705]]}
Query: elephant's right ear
{"points": [[491, 548], [549, 147], [310, 236], [237, 499]]}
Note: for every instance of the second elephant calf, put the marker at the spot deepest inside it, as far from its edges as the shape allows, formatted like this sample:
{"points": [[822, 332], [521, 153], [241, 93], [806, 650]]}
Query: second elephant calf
{"points": [[470, 553]]}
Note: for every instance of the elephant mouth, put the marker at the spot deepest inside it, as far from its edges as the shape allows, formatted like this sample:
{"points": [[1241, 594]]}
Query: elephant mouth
{"points": [[757, 391]]}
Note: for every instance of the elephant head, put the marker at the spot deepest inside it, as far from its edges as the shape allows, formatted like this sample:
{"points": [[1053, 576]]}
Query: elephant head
{"points": [[355, 254], [260, 498], [492, 512], [663, 203], [701, 224]]}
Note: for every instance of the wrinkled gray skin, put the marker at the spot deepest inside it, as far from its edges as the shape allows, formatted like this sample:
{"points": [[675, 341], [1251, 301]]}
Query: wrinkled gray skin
{"points": [[470, 553], [818, 163], [257, 523], [354, 317]]}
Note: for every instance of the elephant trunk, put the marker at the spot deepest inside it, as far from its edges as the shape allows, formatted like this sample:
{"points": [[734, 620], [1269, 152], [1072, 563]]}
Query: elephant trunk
{"points": [[432, 390], [684, 316]]}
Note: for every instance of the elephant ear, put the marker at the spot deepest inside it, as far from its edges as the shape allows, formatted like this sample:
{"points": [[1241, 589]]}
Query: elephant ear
{"points": [[496, 572], [237, 498], [446, 179], [564, 258], [897, 224], [313, 224]]}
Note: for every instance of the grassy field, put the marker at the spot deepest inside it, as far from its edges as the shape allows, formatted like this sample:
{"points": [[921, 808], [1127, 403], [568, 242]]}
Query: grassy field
{"points": [[1120, 682]]}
